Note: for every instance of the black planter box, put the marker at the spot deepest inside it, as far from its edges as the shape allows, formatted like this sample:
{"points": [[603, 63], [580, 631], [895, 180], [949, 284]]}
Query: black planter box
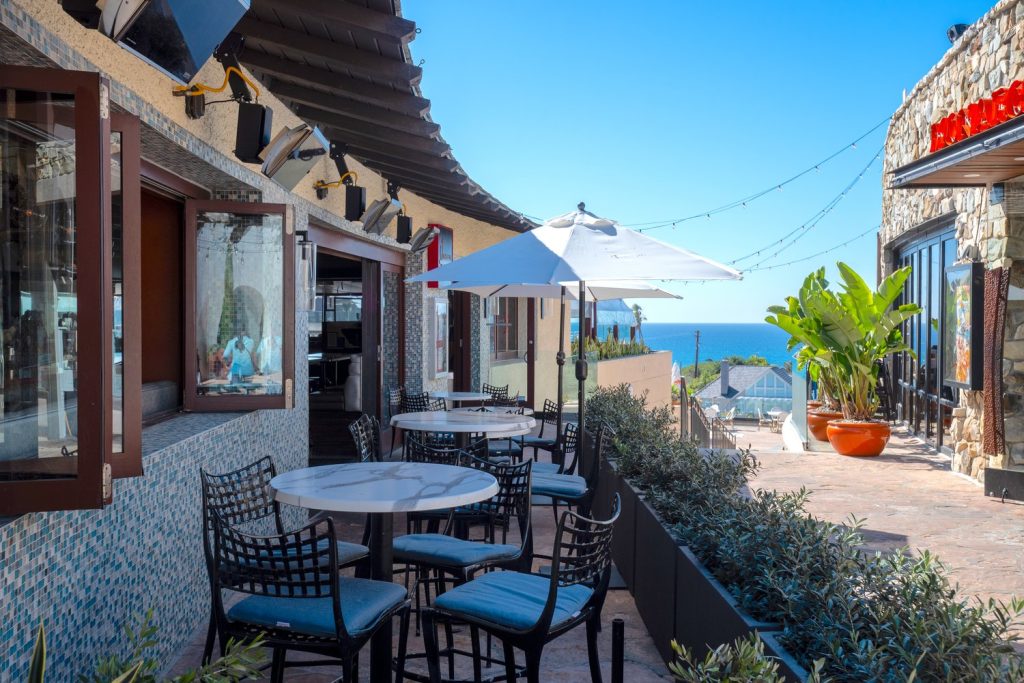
{"points": [[788, 667], [706, 613], [654, 577], [624, 548]]}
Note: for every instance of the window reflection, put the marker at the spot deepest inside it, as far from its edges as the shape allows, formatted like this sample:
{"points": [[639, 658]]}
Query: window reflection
{"points": [[38, 286], [239, 303]]}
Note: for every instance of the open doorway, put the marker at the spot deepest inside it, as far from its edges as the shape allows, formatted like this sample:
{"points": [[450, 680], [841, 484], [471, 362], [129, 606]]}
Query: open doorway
{"points": [[336, 345]]}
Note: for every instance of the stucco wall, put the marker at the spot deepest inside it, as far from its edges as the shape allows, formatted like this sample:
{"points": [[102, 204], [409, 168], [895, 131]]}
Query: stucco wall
{"points": [[650, 373], [989, 222]]}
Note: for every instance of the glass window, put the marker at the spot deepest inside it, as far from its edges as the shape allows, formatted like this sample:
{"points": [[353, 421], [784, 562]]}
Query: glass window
{"points": [[55, 294], [506, 328], [242, 308]]}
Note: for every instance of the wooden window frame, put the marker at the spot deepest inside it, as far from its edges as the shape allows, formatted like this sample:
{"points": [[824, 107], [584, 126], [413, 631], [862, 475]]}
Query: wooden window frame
{"points": [[192, 401], [128, 463], [505, 328], [89, 488]]}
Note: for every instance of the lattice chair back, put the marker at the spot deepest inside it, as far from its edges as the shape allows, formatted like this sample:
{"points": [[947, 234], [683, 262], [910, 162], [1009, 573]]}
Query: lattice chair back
{"points": [[242, 497], [511, 502], [582, 550], [437, 404], [395, 401], [570, 453], [299, 564], [416, 450], [549, 416], [496, 392], [415, 403], [366, 433]]}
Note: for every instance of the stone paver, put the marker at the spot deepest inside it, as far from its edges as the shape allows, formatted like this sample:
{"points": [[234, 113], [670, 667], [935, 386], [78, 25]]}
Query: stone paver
{"points": [[909, 497]]}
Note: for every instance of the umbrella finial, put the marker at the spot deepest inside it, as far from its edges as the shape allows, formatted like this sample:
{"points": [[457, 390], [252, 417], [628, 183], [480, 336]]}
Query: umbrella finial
{"points": [[581, 206]]}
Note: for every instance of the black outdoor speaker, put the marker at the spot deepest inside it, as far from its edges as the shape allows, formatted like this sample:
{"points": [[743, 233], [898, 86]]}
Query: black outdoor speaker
{"points": [[355, 202], [404, 229], [84, 12], [253, 131]]}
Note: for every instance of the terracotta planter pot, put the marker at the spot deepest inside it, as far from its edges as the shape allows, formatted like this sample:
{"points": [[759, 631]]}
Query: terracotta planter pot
{"points": [[858, 438], [817, 422], [814, 405]]}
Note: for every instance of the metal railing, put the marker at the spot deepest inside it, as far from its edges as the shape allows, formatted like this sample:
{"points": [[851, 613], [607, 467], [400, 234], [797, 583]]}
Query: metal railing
{"points": [[708, 432]]}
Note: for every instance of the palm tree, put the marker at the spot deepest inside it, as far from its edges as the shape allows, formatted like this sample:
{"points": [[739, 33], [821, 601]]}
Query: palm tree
{"points": [[638, 317]]}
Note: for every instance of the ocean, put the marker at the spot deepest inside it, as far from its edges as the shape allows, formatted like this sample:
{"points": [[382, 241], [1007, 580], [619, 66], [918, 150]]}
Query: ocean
{"points": [[718, 340]]}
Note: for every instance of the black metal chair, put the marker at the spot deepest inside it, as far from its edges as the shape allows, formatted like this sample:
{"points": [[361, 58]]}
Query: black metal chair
{"points": [[437, 404], [415, 403], [366, 434], [575, 490], [507, 448], [394, 407], [549, 421], [564, 459], [497, 393], [242, 498], [296, 599], [527, 611]]}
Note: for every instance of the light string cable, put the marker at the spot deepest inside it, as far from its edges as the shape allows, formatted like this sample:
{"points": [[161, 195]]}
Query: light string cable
{"points": [[742, 202], [794, 235], [816, 255]]}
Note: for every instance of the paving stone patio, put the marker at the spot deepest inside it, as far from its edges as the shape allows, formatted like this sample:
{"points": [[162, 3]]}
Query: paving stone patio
{"points": [[909, 497]]}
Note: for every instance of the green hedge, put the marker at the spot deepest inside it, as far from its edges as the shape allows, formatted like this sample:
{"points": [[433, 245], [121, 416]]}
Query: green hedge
{"points": [[869, 616]]}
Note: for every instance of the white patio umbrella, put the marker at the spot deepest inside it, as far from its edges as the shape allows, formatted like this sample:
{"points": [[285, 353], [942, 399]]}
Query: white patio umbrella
{"points": [[578, 247]]}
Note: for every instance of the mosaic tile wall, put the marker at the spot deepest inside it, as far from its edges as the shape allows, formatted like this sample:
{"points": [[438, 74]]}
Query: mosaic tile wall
{"points": [[414, 338], [83, 573], [390, 336]]}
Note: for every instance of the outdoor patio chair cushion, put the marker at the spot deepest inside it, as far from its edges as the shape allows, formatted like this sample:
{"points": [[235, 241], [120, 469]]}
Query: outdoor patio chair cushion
{"points": [[347, 552], [501, 447], [439, 549], [512, 599], [558, 485], [546, 468], [363, 602], [541, 443]]}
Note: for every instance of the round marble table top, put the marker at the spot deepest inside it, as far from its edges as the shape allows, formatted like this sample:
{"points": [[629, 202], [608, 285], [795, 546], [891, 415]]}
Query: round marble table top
{"points": [[383, 487], [492, 410], [492, 424], [460, 395]]}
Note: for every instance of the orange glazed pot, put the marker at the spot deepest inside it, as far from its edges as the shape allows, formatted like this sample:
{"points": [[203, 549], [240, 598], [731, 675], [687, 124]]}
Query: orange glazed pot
{"points": [[817, 422], [858, 438], [814, 405]]}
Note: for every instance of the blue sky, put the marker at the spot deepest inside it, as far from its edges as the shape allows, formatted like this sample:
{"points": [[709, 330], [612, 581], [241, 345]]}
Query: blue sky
{"points": [[658, 110]]}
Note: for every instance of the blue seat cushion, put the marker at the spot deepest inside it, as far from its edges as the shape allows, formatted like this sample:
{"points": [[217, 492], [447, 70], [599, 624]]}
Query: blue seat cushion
{"points": [[512, 599], [542, 443], [351, 552], [442, 550], [363, 602], [545, 468], [503, 447], [558, 485]]}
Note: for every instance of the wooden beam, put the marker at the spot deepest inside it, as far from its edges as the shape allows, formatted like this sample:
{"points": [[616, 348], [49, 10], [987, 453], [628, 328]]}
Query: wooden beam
{"points": [[370, 148], [337, 54], [381, 25], [318, 99], [454, 181], [369, 132], [297, 72]]}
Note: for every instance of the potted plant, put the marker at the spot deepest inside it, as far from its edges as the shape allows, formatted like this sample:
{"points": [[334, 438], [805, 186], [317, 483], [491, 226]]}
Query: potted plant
{"points": [[847, 334], [797, 315]]}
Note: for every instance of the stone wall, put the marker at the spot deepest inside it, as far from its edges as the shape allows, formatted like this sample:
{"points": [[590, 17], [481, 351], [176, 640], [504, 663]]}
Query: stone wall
{"points": [[990, 55]]}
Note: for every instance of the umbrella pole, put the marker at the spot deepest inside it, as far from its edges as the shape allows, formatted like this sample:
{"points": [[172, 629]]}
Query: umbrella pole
{"points": [[560, 360], [581, 378]]}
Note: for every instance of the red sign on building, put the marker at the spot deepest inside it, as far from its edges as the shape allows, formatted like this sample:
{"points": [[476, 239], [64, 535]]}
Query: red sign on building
{"points": [[1005, 104]]}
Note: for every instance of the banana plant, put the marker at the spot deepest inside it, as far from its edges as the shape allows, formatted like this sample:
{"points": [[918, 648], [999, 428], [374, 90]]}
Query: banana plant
{"points": [[846, 333]]}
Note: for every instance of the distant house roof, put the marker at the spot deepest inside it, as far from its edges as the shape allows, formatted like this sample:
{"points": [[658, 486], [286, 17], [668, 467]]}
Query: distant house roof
{"points": [[742, 378]]}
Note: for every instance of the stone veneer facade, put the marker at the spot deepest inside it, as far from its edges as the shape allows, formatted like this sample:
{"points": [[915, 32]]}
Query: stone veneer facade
{"points": [[989, 221]]}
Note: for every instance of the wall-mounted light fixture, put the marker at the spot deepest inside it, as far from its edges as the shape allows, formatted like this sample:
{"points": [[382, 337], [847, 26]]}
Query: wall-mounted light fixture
{"points": [[423, 238], [378, 216], [404, 234], [355, 196], [292, 153], [307, 269]]}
